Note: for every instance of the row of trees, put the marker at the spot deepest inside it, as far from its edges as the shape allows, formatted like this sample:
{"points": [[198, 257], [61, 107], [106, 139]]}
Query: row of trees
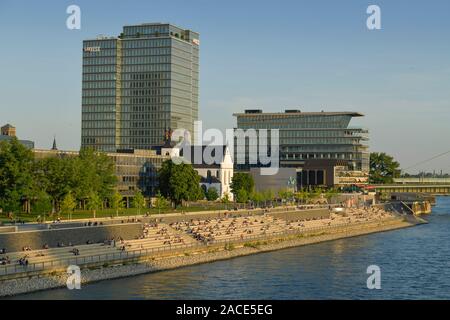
{"points": [[53, 183], [86, 181], [94, 203], [287, 195], [423, 174], [243, 189]]}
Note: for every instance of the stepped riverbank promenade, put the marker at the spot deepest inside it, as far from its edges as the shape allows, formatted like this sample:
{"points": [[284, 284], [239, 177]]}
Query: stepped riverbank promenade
{"points": [[112, 249]]}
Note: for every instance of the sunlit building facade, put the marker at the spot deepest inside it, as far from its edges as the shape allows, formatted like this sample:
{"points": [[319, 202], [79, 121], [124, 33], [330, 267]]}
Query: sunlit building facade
{"points": [[8, 132], [312, 138]]}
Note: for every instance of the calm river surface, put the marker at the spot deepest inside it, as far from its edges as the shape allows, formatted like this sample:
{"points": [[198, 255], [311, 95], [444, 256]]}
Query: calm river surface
{"points": [[414, 262]]}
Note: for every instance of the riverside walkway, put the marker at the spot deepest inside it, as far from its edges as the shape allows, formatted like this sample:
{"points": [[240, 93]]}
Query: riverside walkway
{"points": [[163, 216], [189, 234]]}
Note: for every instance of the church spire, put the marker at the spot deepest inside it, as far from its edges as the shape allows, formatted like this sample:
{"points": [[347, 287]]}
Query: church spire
{"points": [[54, 144]]}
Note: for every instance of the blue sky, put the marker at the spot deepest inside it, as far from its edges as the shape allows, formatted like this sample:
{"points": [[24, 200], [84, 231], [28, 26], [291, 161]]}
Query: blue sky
{"points": [[315, 55]]}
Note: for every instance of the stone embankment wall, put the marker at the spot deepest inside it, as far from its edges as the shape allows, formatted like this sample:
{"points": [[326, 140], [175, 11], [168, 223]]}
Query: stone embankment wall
{"points": [[302, 214], [8, 229], [77, 236], [289, 213], [49, 281], [77, 233]]}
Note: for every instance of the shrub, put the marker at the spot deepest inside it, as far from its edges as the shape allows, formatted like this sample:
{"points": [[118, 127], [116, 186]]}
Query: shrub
{"points": [[229, 247]]}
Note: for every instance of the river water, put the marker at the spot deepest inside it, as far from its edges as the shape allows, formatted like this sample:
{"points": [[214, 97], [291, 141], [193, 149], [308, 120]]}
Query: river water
{"points": [[414, 263]]}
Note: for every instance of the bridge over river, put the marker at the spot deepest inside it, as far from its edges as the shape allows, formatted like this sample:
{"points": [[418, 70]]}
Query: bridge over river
{"points": [[432, 189]]}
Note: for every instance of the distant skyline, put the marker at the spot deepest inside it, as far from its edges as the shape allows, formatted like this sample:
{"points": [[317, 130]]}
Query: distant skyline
{"points": [[310, 55]]}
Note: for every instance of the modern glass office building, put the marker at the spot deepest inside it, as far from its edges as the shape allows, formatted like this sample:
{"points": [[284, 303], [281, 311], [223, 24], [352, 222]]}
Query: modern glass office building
{"points": [[138, 85], [304, 136]]}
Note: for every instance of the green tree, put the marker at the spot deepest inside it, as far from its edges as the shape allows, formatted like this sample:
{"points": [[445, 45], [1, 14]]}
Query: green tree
{"points": [[95, 173], [226, 198], [268, 195], [212, 194], [138, 201], [383, 168], [117, 202], [257, 197], [179, 182], [90, 172], [242, 180], [303, 196], [242, 196], [42, 204], [161, 203], [94, 203], [316, 193], [16, 174], [331, 193], [56, 176], [204, 191], [286, 194], [68, 204]]}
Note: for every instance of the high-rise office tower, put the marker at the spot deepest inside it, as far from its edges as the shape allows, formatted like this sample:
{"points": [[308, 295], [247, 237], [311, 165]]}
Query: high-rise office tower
{"points": [[138, 85]]}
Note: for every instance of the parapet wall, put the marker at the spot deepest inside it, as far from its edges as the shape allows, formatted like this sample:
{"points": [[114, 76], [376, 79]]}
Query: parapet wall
{"points": [[13, 242], [299, 215], [8, 229], [201, 216], [288, 213]]}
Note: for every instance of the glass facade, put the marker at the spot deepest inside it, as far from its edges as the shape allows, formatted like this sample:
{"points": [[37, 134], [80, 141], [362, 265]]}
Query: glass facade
{"points": [[311, 135], [138, 85], [137, 171]]}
